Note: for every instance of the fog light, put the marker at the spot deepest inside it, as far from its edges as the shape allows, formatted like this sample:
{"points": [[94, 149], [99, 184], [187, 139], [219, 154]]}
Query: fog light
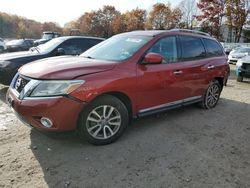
{"points": [[46, 122]]}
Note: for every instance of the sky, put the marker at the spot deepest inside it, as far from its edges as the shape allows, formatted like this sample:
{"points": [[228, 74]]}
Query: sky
{"points": [[64, 11]]}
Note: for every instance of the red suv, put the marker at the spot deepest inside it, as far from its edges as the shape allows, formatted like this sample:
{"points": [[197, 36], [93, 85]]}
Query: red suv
{"points": [[129, 75]]}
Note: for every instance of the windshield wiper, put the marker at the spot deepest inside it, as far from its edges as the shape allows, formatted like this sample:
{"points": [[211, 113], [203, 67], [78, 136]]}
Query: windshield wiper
{"points": [[37, 49]]}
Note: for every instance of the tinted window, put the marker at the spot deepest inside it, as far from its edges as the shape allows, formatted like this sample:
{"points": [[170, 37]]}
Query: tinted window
{"points": [[85, 44], [71, 47], [166, 47], [213, 48], [192, 48]]}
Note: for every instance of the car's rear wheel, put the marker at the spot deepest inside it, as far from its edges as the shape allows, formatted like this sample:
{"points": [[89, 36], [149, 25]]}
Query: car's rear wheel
{"points": [[212, 95], [239, 79], [103, 121]]}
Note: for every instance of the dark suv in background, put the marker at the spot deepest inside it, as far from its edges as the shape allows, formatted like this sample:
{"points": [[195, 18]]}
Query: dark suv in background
{"points": [[129, 75], [71, 45], [19, 45]]}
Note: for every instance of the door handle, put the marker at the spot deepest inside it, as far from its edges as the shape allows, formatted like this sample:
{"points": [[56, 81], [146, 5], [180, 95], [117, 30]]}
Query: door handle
{"points": [[210, 67], [178, 72]]}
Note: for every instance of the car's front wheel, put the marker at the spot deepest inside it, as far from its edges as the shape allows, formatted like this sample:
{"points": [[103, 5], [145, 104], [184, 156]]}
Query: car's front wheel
{"points": [[103, 121], [212, 95]]}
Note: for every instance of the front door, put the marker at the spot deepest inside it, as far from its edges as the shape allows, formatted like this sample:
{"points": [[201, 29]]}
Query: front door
{"points": [[165, 83]]}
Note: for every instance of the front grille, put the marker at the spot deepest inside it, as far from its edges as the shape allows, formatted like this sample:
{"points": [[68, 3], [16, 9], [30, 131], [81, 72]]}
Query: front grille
{"points": [[20, 83], [246, 66], [232, 60]]}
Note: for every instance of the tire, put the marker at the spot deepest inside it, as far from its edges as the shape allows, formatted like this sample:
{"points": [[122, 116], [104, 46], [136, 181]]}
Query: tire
{"points": [[103, 121], [239, 79], [212, 95]]}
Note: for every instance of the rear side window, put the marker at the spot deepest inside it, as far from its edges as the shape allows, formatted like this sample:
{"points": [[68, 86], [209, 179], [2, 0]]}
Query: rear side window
{"points": [[167, 48], [192, 48], [213, 48]]}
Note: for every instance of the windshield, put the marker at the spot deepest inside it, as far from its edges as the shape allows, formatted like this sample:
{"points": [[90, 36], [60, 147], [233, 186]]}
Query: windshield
{"points": [[47, 36], [242, 50], [15, 42], [49, 46], [117, 48]]}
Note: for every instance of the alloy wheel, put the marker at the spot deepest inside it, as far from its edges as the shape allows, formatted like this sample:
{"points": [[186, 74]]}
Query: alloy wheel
{"points": [[103, 122], [213, 95]]}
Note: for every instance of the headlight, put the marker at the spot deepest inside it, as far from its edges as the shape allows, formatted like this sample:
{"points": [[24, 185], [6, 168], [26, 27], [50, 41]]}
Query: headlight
{"points": [[239, 63], [54, 88]]}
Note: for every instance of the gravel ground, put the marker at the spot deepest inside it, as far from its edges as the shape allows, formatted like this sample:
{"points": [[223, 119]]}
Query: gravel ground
{"points": [[186, 147]]}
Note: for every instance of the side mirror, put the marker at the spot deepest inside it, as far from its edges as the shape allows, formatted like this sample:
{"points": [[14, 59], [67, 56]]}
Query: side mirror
{"points": [[153, 58], [60, 51]]}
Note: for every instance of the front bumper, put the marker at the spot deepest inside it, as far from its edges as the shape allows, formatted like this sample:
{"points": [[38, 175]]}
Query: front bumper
{"points": [[62, 111], [242, 72]]}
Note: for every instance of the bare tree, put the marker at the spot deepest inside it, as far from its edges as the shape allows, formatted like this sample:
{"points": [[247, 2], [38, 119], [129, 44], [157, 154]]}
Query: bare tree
{"points": [[189, 10]]}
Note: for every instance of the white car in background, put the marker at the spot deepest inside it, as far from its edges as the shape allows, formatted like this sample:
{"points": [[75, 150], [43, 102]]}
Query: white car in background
{"points": [[237, 54], [2, 45]]}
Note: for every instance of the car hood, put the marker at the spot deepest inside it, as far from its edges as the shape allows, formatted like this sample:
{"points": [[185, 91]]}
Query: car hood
{"points": [[246, 59], [237, 55], [15, 55], [62, 68]]}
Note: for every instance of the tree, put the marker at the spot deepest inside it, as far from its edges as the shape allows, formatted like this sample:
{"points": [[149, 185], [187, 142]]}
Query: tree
{"points": [[159, 16], [163, 17], [136, 19], [12, 26], [70, 25], [51, 26], [236, 13], [106, 17], [176, 16], [211, 15], [100, 22], [189, 11]]}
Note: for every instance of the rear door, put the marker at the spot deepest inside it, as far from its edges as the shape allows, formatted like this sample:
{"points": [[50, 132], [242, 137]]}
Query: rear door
{"points": [[194, 65], [216, 60]]}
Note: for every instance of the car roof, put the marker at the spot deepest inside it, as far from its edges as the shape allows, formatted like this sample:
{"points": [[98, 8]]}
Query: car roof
{"points": [[80, 37], [154, 33]]}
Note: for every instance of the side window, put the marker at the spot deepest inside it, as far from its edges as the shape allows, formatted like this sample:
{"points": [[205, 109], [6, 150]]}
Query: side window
{"points": [[213, 48], [167, 48], [70, 47], [85, 44], [192, 48]]}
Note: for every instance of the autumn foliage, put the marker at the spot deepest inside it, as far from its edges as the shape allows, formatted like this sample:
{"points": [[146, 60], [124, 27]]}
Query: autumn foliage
{"points": [[209, 15], [13, 26], [104, 22], [233, 13]]}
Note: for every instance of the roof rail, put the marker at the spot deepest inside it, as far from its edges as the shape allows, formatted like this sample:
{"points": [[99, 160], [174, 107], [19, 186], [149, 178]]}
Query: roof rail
{"points": [[191, 31]]}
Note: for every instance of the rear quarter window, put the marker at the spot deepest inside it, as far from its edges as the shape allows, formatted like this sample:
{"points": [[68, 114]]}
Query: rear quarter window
{"points": [[213, 48]]}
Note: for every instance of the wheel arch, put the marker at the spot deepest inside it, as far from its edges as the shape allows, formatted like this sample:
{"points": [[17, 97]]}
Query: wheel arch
{"points": [[220, 80], [125, 100]]}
